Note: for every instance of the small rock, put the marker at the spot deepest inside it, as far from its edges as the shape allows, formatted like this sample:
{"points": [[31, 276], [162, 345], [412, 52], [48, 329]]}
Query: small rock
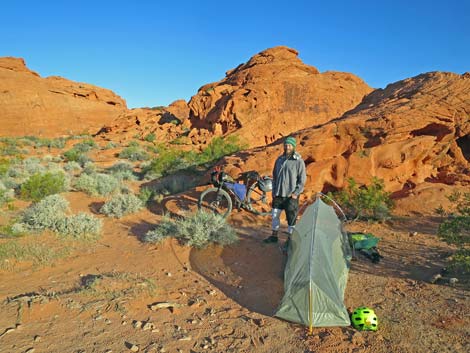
{"points": [[29, 350], [358, 339], [108, 321], [148, 326], [212, 292], [162, 350], [37, 338], [108, 351], [168, 274], [137, 324], [18, 326], [133, 347], [435, 278], [453, 281], [123, 323], [185, 338], [155, 330]]}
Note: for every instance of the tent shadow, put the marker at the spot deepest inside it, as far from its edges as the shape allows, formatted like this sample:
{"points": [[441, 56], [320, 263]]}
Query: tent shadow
{"points": [[250, 272]]}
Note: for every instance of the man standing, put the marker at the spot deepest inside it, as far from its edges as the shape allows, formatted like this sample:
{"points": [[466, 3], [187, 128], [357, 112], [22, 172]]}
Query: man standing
{"points": [[288, 183]]}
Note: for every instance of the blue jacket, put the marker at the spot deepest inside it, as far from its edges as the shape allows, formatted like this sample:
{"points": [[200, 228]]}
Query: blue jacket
{"points": [[289, 175]]}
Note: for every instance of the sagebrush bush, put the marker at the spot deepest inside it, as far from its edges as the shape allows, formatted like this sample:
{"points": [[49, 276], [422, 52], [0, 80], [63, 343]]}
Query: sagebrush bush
{"points": [[80, 226], [365, 202], [51, 214], [134, 153], [45, 214], [197, 230], [121, 205], [40, 185], [122, 171], [72, 167], [97, 184]]}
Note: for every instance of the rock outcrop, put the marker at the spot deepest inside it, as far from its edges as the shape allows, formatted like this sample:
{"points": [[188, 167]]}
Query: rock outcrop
{"points": [[273, 95], [412, 132], [52, 106]]}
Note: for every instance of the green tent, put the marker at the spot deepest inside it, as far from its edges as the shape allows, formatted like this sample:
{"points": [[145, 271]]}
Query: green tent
{"points": [[317, 270]]}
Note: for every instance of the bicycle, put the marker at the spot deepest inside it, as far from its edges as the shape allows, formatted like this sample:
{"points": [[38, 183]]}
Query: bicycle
{"points": [[251, 194]]}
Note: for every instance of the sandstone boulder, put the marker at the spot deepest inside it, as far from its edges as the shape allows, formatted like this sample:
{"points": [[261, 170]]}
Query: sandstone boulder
{"points": [[413, 131], [52, 106], [273, 95]]}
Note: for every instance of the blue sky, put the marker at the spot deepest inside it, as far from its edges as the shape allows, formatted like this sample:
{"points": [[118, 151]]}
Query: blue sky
{"points": [[154, 52]]}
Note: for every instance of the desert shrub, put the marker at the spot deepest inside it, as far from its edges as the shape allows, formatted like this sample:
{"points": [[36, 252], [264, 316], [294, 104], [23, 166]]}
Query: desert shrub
{"points": [[365, 202], [97, 184], [40, 185], [146, 195], [46, 214], [220, 147], [72, 167], [6, 195], [134, 153], [455, 229], [122, 171], [5, 165], [167, 162], [110, 145], [198, 230], [32, 166], [85, 145], [82, 226], [45, 142], [51, 214], [121, 205], [150, 137]]}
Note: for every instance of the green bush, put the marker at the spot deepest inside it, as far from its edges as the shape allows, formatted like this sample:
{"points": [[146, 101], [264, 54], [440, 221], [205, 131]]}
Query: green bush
{"points": [[121, 205], [75, 155], [39, 185], [150, 137], [5, 165], [198, 230], [220, 147], [364, 202], [167, 162], [455, 229]]}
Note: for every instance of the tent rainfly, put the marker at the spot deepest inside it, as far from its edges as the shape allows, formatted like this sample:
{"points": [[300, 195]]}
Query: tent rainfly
{"points": [[317, 268]]}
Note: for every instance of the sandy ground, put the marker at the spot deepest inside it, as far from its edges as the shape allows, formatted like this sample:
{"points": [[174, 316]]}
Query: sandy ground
{"points": [[104, 296]]}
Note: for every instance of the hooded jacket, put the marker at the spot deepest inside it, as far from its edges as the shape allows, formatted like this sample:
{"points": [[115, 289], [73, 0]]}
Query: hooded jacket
{"points": [[289, 175]]}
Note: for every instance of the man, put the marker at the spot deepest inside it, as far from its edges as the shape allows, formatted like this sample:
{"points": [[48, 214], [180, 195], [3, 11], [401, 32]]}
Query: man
{"points": [[288, 183]]}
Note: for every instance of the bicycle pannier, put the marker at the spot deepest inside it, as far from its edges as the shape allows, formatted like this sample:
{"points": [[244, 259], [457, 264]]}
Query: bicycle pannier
{"points": [[265, 184]]}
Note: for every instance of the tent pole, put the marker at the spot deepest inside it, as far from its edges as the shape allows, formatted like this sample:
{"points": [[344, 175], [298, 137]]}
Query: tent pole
{"points": [[310, 309]]}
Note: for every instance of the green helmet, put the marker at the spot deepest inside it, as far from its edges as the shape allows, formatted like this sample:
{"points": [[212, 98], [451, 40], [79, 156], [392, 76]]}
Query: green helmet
{"points": [[364, 319]]}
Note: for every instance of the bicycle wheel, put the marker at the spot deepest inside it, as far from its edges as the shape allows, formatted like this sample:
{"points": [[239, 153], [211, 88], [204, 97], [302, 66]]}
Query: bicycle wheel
{"points": [[257, 201], [216, 200]]}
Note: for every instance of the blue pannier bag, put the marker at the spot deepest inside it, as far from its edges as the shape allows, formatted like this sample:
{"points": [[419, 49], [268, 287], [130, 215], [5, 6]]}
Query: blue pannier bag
{"points": [[238, 189]]}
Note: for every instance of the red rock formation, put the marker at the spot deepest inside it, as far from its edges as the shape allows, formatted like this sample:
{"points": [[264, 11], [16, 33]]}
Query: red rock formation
{"points": [[411, 132], [52, 106], [273, 95]]}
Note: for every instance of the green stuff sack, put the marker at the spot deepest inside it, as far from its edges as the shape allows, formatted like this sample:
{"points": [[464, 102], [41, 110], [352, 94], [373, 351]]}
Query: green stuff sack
{"points": [[364, 241]]}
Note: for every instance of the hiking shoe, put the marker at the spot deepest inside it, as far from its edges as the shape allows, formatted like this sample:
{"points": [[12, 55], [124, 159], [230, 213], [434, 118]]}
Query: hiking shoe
{"points": [[270, 239]]}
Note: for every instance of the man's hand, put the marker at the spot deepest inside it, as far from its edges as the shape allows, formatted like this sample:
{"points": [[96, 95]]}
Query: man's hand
{"points": [[294, 196]]}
